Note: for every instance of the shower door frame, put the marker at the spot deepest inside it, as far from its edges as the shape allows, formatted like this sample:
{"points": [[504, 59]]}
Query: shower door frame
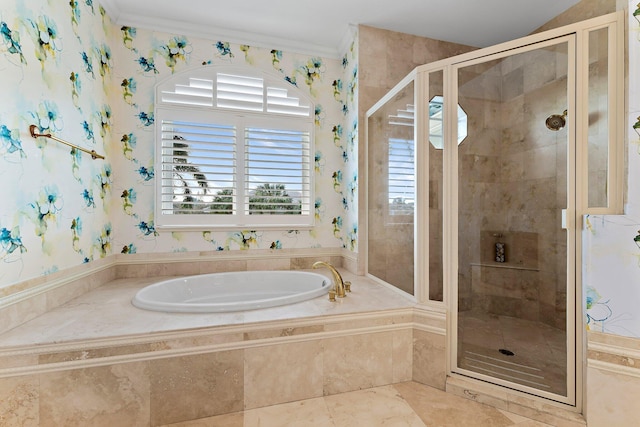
{"points": [[577, 182], [571, 220], [576, 36]]}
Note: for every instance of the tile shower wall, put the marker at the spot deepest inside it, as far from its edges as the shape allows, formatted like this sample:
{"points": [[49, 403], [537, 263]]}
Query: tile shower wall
{"points": [[69, 70], [507, 167]]}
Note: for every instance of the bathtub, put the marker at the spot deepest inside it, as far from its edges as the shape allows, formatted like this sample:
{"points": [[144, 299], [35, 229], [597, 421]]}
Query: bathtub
{"points": [[233, 291]]}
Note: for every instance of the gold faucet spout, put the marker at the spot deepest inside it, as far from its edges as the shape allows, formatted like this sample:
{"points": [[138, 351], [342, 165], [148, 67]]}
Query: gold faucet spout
{"points": [[338, 283]]}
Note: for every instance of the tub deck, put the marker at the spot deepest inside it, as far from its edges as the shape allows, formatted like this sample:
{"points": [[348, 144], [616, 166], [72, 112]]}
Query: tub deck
{"points": [[107, 312]]}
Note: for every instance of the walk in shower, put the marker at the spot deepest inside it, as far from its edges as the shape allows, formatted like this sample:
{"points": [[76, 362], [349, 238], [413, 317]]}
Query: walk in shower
{"points": [[479, 170]]}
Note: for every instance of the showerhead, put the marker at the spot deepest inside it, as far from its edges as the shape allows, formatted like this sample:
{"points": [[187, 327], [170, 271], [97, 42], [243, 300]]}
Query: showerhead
{"points": [[556, 122]]}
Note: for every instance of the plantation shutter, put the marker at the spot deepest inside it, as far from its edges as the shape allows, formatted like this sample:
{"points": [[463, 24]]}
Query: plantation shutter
{"points": [[198, 164], [401, 176], [278, 171], [234, 149]]}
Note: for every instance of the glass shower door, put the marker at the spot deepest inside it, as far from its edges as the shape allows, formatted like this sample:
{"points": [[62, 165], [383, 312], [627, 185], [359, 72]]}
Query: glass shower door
{"points": [[514, 266]]}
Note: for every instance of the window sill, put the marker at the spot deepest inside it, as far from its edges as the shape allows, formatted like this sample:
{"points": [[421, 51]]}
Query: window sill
{"points": [[231, 227]]}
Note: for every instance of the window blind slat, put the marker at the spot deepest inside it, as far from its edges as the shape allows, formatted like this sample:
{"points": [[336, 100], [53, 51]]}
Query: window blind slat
{"points": [[197, 92], [279, 101]]}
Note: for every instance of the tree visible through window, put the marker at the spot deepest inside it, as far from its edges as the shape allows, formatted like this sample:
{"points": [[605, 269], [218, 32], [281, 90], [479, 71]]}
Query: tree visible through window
{"points": [[273, 198]]}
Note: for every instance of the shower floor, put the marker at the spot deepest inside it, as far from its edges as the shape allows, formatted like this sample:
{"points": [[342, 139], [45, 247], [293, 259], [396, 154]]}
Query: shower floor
{"points": [[521, 351]]}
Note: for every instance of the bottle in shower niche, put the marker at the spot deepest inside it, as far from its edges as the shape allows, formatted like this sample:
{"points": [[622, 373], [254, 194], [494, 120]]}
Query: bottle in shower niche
{"points": [[500, 249]]}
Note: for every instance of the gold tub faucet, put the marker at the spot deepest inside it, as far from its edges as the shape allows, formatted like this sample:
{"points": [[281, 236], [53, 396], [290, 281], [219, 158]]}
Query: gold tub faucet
{"points": [[340, 286]]}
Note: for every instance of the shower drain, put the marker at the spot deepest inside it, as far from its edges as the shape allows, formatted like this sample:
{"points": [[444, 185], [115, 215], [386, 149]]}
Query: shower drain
{"points": [[506, 352]]}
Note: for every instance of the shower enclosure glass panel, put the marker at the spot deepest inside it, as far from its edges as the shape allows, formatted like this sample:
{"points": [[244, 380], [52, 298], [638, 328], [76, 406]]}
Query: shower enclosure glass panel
{"points": [[391, 191], [436, 185], [598, 152], [512, 195]]}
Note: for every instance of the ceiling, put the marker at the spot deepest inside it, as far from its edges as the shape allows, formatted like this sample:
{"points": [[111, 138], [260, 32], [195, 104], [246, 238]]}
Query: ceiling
{"points": [[322, 26]]}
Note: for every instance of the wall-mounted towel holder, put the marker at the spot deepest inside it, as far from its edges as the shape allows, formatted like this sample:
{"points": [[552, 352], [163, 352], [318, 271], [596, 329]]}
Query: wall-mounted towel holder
{"points": [[32, 131]]}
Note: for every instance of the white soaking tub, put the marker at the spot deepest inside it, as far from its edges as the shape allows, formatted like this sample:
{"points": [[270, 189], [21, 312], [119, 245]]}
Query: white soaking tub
{"points": [[233, 291]]}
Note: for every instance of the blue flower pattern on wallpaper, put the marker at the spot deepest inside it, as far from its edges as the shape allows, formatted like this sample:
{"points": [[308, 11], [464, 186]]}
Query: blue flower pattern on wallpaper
{"points": [[47, 117], [146, 173], [128, 35], [89, 136], [45, 210], [89, 201], [224, 49], [176, 50], [94, 85], [75, 15], [44, 32], [76, 88], [11, 41], [10, 139], [76, 232], [10, 242], [128, 200], [147, 65], [129, 87], [88, 64], [103, 53]]}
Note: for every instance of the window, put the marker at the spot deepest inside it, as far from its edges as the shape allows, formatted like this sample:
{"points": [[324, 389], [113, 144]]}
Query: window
{"points": [[233, 150], [401, 169], [401, 176], [435, 123]]}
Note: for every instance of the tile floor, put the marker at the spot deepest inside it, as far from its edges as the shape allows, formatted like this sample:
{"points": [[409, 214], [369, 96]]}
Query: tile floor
{"points": [[404, 404]]}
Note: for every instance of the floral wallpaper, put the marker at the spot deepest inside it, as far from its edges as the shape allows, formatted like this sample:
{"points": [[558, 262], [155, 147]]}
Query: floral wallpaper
{"points": [[56, 64], [67, 69], [611, 272]]}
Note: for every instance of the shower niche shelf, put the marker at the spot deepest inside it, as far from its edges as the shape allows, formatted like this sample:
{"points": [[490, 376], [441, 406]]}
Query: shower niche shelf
{"points": [[505, 265]]}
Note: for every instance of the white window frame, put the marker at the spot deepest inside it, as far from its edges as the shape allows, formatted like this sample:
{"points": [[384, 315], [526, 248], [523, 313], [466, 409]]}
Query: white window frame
{"points": [[276, 106]]}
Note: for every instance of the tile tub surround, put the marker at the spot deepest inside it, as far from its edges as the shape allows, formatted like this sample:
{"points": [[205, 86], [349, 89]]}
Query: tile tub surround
{"points": [[26, 300], [97, 360]]}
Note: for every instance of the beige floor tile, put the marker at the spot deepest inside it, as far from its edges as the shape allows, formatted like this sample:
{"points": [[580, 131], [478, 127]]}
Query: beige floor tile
{"points": [[235, 419], [520, 421], [438, 408], [381, 406], [407, 404], [304, 413]]}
